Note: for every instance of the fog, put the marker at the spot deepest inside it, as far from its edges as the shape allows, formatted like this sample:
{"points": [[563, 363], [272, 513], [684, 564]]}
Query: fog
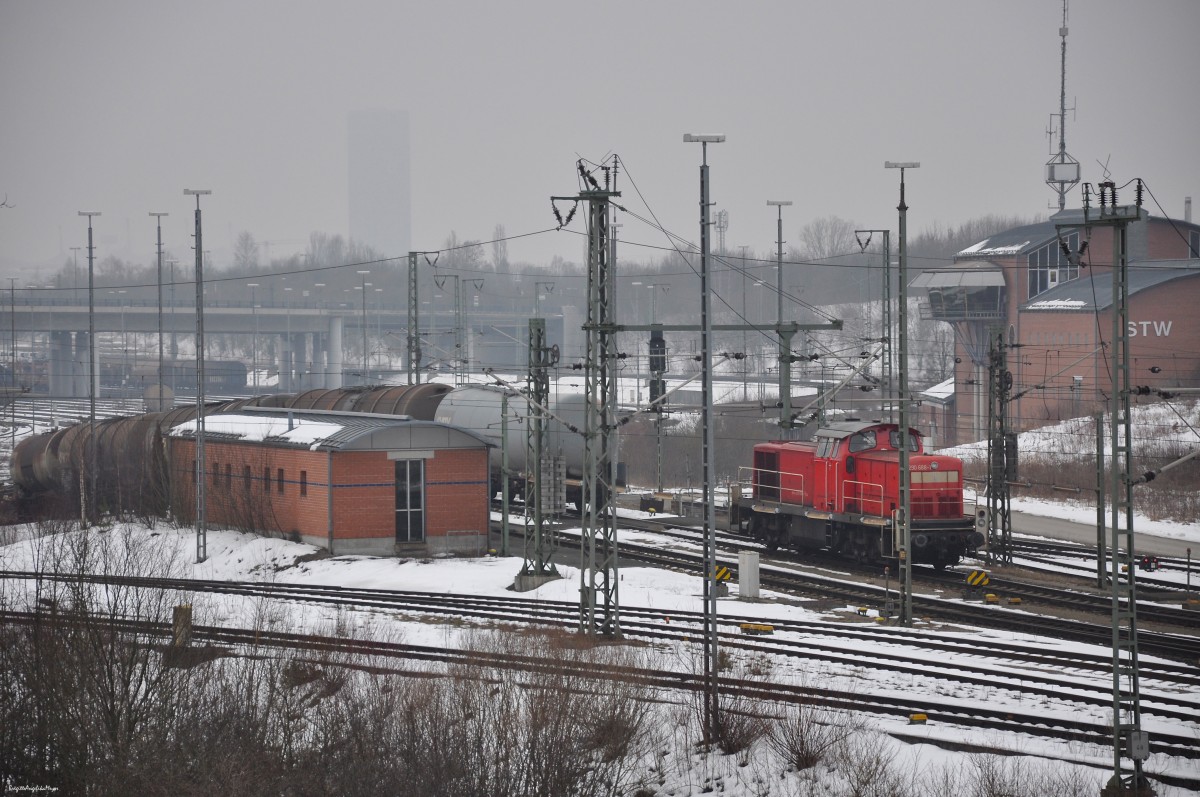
{"points": [[118, 106]]}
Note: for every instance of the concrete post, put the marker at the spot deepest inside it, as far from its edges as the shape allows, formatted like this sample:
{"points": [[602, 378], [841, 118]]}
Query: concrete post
{"points": [[335, 352]]}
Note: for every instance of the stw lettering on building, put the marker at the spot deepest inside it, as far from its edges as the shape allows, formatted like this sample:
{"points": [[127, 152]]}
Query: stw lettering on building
{"points": [[1161, 329]]}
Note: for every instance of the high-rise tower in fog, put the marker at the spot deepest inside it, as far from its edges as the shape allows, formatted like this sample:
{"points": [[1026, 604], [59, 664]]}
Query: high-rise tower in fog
{"points": [[378, 167]]}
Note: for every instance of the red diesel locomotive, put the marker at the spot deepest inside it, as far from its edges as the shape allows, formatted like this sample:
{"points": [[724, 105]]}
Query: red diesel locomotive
{"points": [[842, 492]]}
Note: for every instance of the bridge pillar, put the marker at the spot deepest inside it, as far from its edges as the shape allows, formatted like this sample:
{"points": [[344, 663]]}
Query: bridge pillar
{"points": [[334, 353], [284, 364], [319, 357], [79, 367], [305, 364], [61, 381]]}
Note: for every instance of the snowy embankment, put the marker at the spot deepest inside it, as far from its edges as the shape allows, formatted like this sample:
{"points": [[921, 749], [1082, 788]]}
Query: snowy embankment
{"points": [[914, 756]]}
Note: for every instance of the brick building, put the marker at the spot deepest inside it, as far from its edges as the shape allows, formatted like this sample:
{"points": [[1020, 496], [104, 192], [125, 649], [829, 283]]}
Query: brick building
{"points": [[1058, 310], [351, 483]]}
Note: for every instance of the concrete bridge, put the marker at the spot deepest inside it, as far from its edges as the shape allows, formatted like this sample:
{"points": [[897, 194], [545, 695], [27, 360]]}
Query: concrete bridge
{"points": [[315, 345]]}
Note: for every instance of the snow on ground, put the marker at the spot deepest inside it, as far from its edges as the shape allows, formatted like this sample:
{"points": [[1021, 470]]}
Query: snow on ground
{"points": [[234, 555], [1160, 425]]}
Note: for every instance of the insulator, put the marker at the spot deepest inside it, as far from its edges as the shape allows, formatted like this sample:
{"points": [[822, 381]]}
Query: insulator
{"points": [[1139, 192]]}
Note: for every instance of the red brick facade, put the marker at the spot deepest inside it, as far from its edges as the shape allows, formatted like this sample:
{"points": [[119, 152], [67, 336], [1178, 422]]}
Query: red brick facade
{"points": [[344, 501], [1060, 365]]}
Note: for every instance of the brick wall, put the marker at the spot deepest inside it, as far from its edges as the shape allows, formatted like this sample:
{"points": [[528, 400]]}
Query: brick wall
{"points": [[363, 494]]}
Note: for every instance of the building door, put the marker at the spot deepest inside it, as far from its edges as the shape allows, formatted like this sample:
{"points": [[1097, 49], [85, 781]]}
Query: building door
{"points": [[410, 500]]}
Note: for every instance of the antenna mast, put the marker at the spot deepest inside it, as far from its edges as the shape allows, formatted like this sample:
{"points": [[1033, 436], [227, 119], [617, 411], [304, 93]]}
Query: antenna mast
{"points": [[1062, 171]]}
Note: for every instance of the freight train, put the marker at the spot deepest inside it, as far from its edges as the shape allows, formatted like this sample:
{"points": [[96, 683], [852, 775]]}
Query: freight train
{"points": [[131, 452], [841, 492]]}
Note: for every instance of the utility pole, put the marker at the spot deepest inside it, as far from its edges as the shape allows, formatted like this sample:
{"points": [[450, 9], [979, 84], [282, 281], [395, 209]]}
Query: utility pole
{"points": [[90, 511], [414, 321], [362, 275], [599, 603], [784, 352], [745, 320], [160, 406], [712, 724], [1001, 452], [1129, 740], [201, 465], [905, 472], [886, 360], [253, 286], [539, 465]]}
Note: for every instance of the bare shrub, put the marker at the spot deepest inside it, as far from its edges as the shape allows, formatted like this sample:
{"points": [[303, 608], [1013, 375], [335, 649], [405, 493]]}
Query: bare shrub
{"points": [[868, 765], [807, 734], [1016, 776]]}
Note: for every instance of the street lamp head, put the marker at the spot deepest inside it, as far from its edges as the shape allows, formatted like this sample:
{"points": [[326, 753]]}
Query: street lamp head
{"points": [[691, 138], [901, 164], [779, 202], [89, 213], [159, 215], [196, 191], [363, 271]]}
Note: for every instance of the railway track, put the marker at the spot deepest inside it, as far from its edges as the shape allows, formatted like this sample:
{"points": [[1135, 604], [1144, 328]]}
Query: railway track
{"points": [[777, 575], [1073, 599], [949, 711]]}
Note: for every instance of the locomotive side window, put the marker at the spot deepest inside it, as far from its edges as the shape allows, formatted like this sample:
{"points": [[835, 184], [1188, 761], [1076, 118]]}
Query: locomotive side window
{"points": [[894, 441], [863, 441]]}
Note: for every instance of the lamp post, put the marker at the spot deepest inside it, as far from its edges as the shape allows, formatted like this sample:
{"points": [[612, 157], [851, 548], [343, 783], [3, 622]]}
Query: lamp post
{"points": [[712, 721], [780, 204], [159, 406], [75, 273], [253, 286], [745, 322], [89, 513], [201, 509], [905, 474], [362, 274], [379, 330]]}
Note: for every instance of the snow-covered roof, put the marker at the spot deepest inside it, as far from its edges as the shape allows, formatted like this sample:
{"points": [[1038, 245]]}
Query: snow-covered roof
{"points": [[983, 248], [325, 430], [941, 391]]}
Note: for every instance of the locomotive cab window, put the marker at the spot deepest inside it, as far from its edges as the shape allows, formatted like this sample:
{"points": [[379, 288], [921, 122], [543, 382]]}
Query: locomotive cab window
{"points": [[862, 441], [894, 441], [826, 447]]}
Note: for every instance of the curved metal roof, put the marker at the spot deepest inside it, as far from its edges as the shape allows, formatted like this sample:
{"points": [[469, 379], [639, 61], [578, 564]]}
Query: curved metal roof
{"points": [[1094, 291]]}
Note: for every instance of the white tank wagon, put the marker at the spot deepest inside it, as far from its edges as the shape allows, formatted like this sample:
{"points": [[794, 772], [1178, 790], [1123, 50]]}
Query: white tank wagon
{"points": [[480, 409]]}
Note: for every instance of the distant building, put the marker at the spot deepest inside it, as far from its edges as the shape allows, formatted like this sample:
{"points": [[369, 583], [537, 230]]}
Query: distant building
{"points": [[352, 483], [380, 180], [1060, 314]]}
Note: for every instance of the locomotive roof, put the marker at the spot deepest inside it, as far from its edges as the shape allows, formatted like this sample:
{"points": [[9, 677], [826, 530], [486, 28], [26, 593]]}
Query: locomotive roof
{"points": [[847, 428]]}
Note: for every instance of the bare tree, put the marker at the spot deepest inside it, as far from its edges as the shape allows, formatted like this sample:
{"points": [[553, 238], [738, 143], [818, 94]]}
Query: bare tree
{"points": [[245, 253], [827, 237], [499, 250]]}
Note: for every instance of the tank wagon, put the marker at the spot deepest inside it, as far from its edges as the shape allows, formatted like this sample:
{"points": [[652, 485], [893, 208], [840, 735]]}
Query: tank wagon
{"points": [[131, 452], [841, 492]]}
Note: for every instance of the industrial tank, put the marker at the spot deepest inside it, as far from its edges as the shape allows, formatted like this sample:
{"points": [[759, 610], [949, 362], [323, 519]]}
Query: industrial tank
{"points": [[479, 409]]}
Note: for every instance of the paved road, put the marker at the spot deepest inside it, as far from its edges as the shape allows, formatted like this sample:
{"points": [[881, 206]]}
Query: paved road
{"points": [[1085, 533]]}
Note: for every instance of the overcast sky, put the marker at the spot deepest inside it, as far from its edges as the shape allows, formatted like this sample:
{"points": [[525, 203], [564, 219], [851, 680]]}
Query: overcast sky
{"points": [[117, 106]]}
